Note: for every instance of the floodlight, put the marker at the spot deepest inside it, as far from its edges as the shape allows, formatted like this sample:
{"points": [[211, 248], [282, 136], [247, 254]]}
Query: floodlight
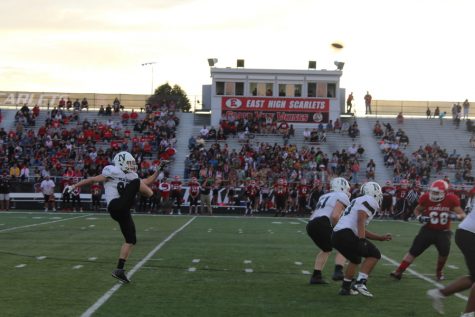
{"points": [[212, 61], [339, 65]]}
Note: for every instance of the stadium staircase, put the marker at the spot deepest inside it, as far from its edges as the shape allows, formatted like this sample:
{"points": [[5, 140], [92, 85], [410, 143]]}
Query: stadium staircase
{"points": [[183, 132]]}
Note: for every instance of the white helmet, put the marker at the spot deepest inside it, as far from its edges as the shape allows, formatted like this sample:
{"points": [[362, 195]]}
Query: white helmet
{"points": [[339, 184], [125, 161], [374, 190]]}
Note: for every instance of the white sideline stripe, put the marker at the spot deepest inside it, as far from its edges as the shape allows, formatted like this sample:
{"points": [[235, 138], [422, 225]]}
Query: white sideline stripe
{"points": [[42, 223], [91, 310], [422, 277]]}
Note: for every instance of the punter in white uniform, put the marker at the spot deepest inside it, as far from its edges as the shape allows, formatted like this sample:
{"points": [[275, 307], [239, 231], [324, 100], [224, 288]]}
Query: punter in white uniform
{"points": [[465, 240], [320, 227], [350, 238], [121, 185]]}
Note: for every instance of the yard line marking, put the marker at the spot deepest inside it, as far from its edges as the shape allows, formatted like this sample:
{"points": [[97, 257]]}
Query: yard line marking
{"points": [[305, 272], [76, 267], [91, 310], [192, 269], [41, 257], [92, 258], [298, 263], [277, 222], [453, 267], [20, 265], [196, 261], [248, 270], [247, 261], [422, 277], [42, 223]]}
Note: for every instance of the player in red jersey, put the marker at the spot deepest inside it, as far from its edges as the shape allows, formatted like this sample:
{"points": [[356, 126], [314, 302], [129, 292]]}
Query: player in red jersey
{"points": [[400, 207], [165, 188], [387, 204], [303, 191], [176, 195], [194, 186], [280, 194], [252, 193], [434, 210]]}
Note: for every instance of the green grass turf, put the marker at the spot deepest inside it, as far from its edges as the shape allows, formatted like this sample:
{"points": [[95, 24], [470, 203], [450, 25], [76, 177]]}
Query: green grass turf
{"points": [[278, 250]]}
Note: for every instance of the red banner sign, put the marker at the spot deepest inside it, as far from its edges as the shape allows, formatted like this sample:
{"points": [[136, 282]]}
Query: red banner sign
{"points": [[301, 110]]}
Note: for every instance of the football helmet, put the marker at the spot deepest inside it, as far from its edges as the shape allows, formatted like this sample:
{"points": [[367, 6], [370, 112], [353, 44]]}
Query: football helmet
{"points": [[374, 190], [125, 161], [437, 190], [339, 184]]}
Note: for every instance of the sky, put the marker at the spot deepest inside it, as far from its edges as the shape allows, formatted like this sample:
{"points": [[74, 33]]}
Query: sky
{"points": [[396, 50]]}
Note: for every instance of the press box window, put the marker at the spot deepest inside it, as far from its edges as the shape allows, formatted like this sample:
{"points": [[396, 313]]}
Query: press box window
{"points": [[220, 88]]}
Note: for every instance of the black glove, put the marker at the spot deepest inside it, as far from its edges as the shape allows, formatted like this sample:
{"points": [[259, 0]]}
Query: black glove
{"points": [[362, 246], [424, 219]]}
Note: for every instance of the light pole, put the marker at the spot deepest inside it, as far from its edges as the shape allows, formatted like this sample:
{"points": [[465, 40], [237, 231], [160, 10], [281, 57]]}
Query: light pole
{"points": [[151, 66]]}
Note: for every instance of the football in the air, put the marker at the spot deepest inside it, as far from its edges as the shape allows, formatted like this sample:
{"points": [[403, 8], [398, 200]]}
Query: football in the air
{"points": [[337, 45]]}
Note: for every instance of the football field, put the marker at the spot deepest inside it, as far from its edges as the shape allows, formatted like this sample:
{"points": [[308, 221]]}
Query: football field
{"points": [[55, 264]]}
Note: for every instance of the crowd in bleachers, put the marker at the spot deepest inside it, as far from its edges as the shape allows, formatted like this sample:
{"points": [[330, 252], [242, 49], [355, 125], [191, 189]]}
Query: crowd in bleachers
{"points": [[64, 141], [421, 164]]}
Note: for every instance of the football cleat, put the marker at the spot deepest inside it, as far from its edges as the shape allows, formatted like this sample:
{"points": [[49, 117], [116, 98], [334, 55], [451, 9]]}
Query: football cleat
{"points": [[440, 276], [346, 292], [317, 280], [436, 297], [120, 275], [396, 275], [338, 276], [362, 289]]}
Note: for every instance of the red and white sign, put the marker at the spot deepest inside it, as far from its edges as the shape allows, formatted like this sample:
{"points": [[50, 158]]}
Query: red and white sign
{"points": [[285, 109], [275, 104]]}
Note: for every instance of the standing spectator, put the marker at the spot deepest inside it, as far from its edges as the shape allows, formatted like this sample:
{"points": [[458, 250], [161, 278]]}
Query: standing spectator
{"points": [[205, 196], [433, 210], [367, 101], [47, 188], [428, 112], [441, 117], [349, 102], [466, 108], [4, 191], [436, 112]]}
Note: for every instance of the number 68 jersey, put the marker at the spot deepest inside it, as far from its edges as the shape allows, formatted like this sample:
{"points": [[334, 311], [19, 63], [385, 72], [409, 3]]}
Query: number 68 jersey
{"points": [[116, 181], [439, 212]]}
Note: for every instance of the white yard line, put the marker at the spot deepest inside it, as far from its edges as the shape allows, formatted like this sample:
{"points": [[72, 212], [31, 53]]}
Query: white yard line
{"points": [[42, 223], [422, 277], [91, 310]]}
